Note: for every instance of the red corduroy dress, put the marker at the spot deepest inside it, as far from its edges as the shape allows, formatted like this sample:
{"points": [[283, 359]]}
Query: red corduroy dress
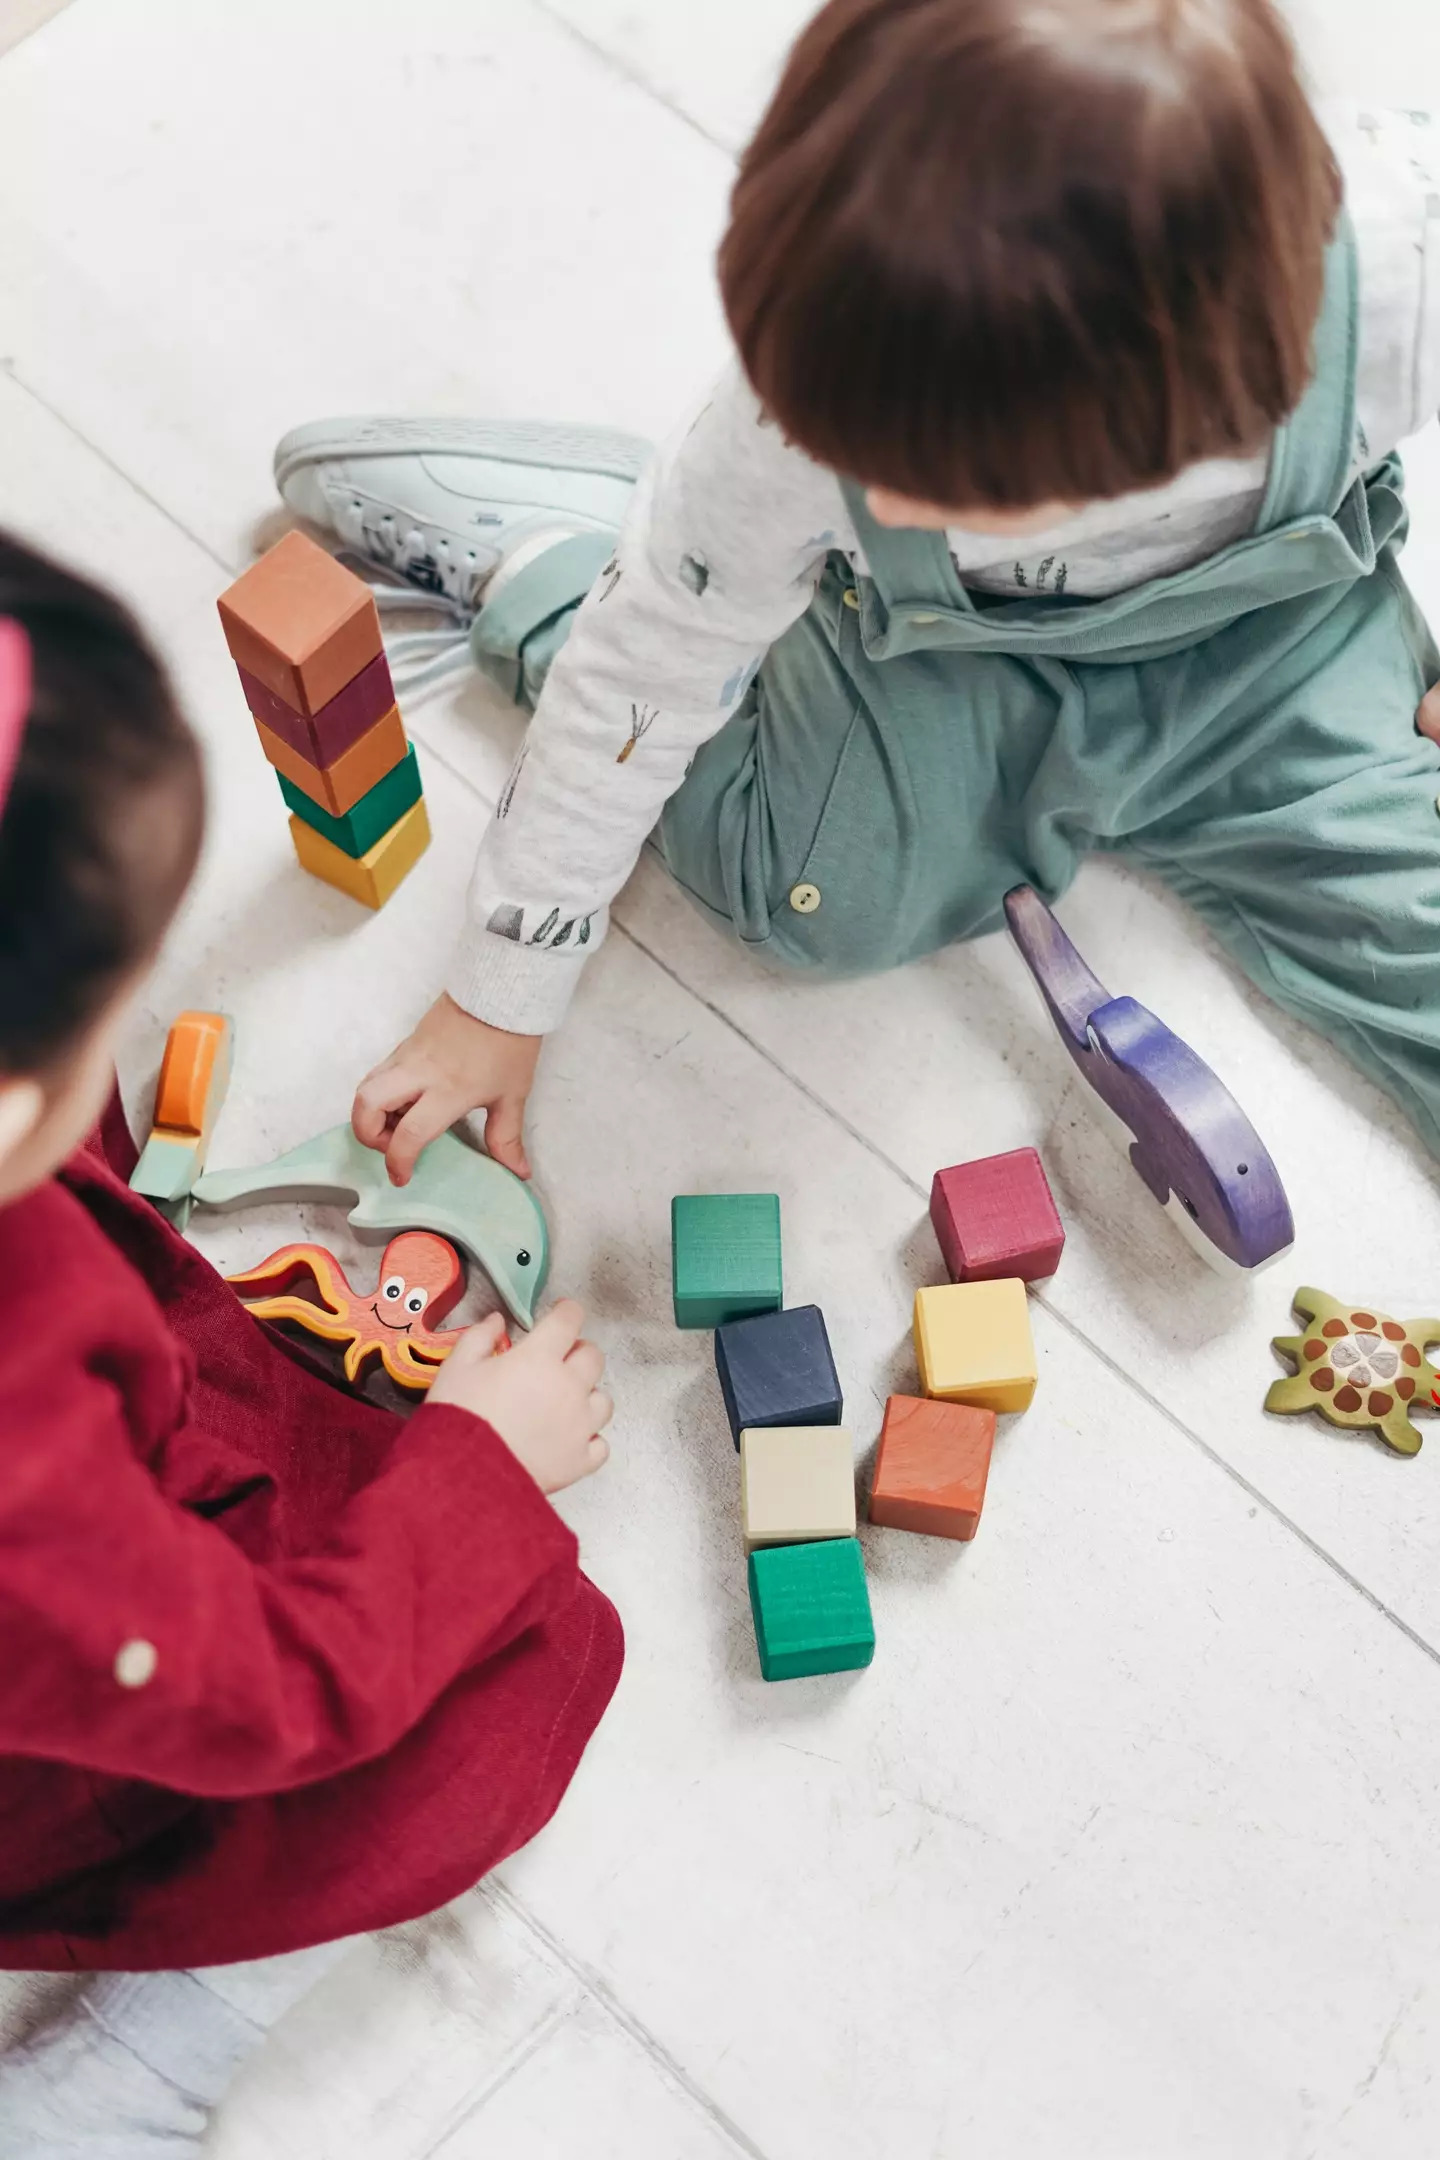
{"points": [[276, 1666]]}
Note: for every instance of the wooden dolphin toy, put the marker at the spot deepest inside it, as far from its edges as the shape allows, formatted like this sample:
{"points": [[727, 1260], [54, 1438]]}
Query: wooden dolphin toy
{"points": [[455, 1191]]}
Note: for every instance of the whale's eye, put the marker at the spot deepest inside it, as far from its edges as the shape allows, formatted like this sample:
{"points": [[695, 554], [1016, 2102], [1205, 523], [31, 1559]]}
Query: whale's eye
{"points": [[1189, 1206], [522, 1259], [393, 1289], [1243, 1169]]}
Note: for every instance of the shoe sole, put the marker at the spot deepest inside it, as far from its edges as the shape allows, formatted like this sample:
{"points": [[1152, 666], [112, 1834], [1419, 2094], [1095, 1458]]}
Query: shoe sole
{"points": [[559, 444]]}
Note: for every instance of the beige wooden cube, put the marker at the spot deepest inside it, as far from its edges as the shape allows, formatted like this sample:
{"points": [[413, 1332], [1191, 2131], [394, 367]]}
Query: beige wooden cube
{"points": [[797, 1484]]}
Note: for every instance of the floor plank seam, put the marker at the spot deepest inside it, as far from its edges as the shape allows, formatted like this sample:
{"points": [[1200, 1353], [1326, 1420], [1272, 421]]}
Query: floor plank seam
{"points": [[543, 2031], [63, 420], [619, 67], [674, 2073]]}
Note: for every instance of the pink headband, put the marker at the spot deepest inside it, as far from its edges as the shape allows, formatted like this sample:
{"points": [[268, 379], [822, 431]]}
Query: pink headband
{"points": [[14, 700]]}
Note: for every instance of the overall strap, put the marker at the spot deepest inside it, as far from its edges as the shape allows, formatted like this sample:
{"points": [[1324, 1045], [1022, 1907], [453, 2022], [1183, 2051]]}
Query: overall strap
{"points": [[1313, 453], [905, 564]]}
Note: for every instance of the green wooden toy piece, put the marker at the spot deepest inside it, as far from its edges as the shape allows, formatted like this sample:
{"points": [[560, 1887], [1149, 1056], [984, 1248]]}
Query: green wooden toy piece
{"points": [[457, 1193], [811, 1609], [725, 1256], [1358, 1368], [165, 1175], [365, 821]]}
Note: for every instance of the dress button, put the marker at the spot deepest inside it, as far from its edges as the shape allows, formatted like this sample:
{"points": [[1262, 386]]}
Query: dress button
{"points": [[135, 1662], [805, 898], [852, 598], [921, 619]]}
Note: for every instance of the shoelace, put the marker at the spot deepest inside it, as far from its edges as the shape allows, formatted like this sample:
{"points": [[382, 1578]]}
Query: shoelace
{"points": [[417, 657]]}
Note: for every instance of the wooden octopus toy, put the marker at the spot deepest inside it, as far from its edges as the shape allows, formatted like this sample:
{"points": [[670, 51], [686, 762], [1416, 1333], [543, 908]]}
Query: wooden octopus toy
{"points": [[421, 1280]]}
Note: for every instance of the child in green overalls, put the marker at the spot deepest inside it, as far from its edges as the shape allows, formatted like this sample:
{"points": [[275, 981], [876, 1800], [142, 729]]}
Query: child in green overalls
{"points": [[1113, 347]]}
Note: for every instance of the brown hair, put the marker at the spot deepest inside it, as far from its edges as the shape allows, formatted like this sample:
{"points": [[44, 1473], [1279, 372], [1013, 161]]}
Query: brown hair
{"points": [[102, 825], [1007, 252]]}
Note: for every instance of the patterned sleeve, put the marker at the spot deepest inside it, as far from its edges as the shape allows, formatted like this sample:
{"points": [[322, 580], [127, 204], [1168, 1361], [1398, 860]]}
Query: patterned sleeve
{"points": [[721, 553]]}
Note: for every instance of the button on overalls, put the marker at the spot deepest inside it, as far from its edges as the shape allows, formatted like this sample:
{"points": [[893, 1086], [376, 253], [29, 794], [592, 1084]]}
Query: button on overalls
{"points": [[1246, 728]]}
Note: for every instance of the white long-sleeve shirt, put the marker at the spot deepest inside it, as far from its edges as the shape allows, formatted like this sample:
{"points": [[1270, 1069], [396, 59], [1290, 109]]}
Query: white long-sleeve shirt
{"points": [[724, 546]]}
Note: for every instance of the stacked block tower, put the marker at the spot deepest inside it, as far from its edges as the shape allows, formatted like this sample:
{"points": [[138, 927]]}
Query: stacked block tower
{"points": [[305, 635], [998, 1228]]}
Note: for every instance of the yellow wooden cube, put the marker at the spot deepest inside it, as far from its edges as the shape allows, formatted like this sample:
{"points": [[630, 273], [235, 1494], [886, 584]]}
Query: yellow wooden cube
{"points": [[372, 877], [797, 1484], [974, 1345]]}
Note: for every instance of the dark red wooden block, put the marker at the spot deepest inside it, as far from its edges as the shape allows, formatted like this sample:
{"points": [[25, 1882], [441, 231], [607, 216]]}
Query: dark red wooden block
{"points": [[997, 1217], [322, 737]]}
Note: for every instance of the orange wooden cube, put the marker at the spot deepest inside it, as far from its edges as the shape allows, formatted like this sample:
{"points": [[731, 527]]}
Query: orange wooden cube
{"points": [[301, 623], [931, 1469], [339, 787], [194, 1074]]}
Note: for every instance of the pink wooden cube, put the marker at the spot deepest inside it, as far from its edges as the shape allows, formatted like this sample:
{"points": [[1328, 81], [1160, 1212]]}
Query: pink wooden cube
{"points": [[997, 1217]]}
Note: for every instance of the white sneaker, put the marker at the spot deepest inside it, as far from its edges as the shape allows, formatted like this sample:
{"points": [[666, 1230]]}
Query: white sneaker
{"points": [[446, 502]]}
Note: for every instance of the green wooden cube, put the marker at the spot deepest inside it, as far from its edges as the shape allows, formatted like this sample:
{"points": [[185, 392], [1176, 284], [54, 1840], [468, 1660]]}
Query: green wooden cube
{"points": [[726, 1256], [811, 1608], [365, 821]]}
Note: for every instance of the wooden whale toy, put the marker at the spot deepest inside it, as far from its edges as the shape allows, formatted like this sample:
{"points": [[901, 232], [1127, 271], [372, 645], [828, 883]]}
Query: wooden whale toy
{"points": [[1184, 1131]]}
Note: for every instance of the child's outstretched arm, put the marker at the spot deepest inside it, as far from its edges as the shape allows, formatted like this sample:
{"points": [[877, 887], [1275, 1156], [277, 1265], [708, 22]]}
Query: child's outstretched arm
{"points": [[142, 1642], [720, 555]]}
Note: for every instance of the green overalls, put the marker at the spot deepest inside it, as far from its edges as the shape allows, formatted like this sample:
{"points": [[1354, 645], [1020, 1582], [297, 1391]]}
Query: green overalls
{"points": [[1246, 728]]}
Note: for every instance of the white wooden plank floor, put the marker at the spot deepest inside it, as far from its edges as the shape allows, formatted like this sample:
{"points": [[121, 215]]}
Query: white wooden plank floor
{"points": [[1125, 1847]]}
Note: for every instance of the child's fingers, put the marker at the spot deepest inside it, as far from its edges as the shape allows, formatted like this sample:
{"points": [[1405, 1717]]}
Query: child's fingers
{"points": [[505, 1133], [586, 1361], [423, 1122], [597, 1454], [558, 1332], [387, 1089], [1428, 717], [602, 1409], [483, 1339]]}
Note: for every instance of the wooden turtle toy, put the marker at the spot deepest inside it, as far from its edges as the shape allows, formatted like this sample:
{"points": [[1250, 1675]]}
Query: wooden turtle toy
{"points": [[1359, 1369]]}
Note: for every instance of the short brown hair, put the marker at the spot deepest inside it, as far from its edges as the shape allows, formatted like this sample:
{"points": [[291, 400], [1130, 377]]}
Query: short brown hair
{"points": [[1007, 252], [106, 761]]}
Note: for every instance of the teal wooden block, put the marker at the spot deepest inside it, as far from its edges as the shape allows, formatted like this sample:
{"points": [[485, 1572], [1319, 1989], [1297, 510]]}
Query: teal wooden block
{"points": [[811, 1609], [365, 821], [726, 1257]]}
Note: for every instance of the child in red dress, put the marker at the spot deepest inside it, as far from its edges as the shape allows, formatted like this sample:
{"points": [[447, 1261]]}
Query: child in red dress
{"points": [[279, 1666]]}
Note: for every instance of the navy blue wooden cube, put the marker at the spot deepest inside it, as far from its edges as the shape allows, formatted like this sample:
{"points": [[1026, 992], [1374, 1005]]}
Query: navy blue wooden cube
{"points": [[776, 1369]]}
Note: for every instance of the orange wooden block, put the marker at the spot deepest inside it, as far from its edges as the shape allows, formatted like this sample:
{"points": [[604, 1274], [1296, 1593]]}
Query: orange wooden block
{"points": [[931, 1470], [339, 786], [194, 1075], [301, 623]]}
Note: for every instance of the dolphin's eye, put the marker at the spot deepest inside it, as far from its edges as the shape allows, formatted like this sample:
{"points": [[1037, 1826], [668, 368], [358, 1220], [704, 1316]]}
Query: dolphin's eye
{"points": [[417, 1301], [522, 1259], [393, 1289]]}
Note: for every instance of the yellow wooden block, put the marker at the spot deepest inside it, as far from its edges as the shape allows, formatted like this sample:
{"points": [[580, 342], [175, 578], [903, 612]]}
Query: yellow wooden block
{"points": [[369, 878], [974, 1345], [797, 1484]]}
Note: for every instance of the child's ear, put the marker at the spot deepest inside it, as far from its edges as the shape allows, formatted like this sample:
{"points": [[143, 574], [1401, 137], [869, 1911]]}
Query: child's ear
{"points": [[22, 1103]]}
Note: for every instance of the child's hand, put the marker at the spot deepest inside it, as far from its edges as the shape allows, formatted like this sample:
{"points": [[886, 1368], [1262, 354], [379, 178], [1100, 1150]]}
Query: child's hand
{"points": [[1428, 717], [543, 1397], [452, 1063]]}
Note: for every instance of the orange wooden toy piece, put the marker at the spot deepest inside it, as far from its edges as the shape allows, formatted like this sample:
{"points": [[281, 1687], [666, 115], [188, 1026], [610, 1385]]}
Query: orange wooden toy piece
{"points": [[931, 1470], [421, 1280], [194, 1074]]}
